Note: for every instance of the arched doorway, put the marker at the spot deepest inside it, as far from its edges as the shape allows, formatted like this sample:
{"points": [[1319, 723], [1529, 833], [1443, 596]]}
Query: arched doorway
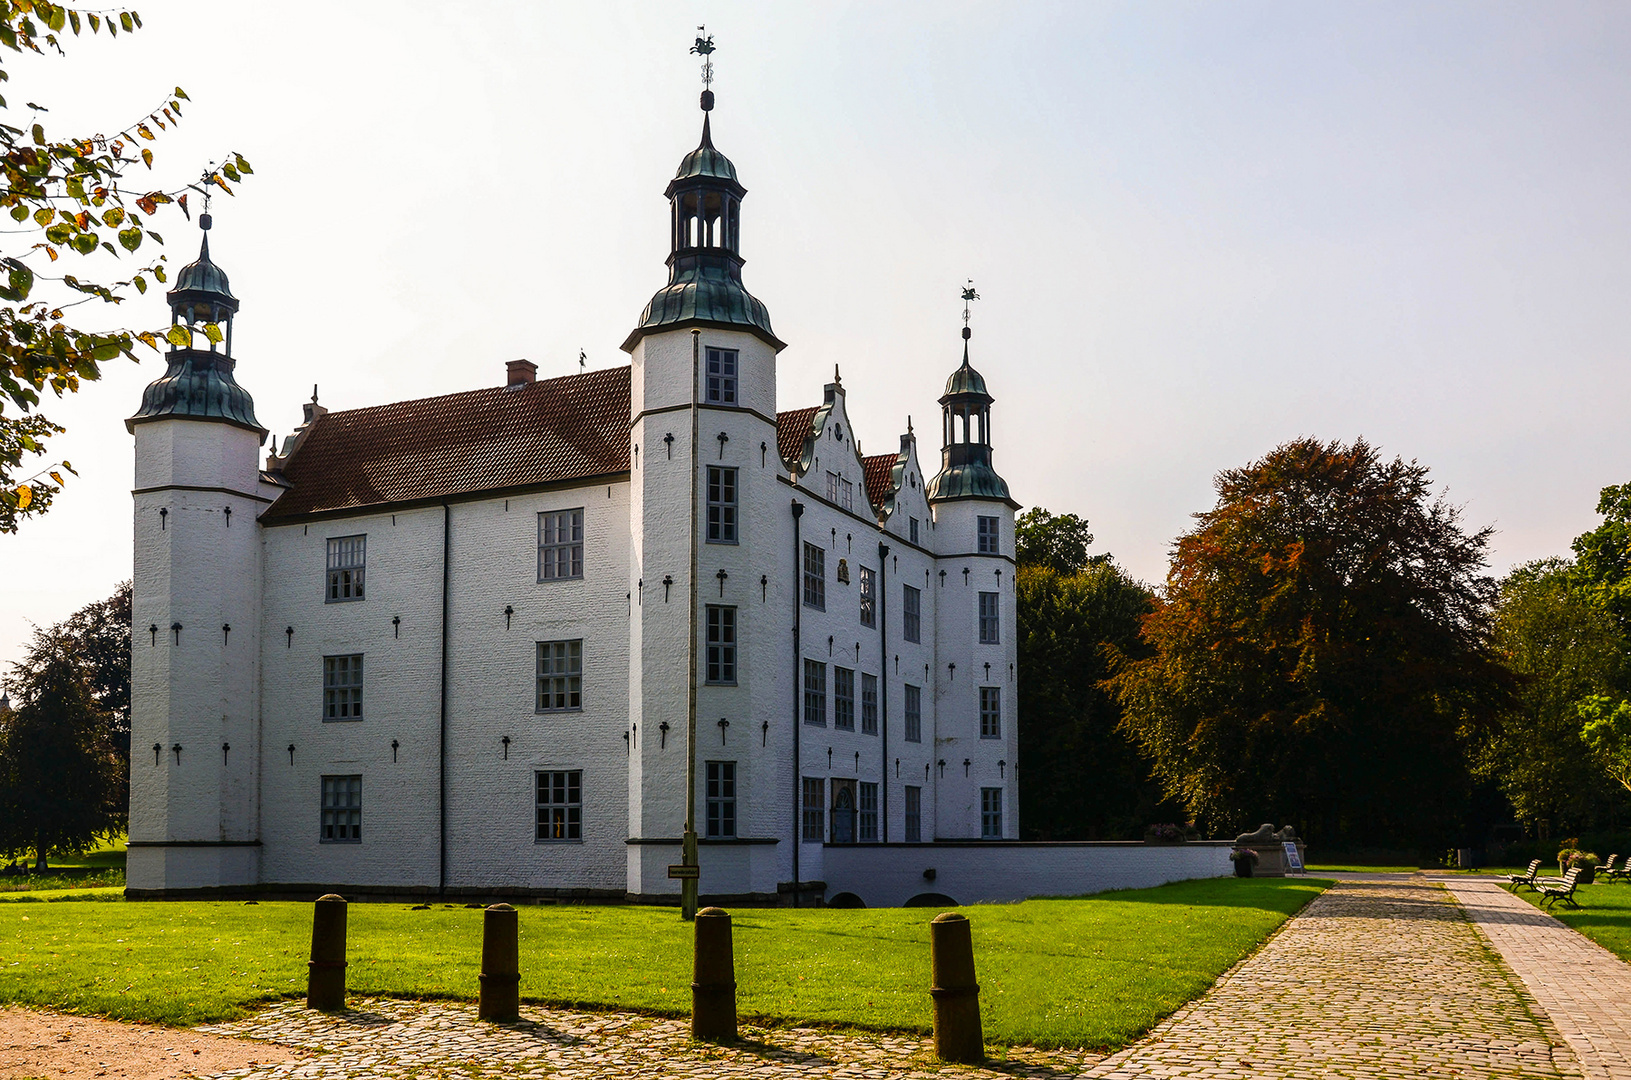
{"points": [[843, 815]]}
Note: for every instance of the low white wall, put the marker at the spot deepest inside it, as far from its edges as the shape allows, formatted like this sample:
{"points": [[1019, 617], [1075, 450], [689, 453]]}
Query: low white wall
{"points": [[888, 875]]}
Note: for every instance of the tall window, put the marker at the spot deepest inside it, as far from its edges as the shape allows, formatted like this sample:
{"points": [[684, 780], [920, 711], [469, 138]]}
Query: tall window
{"points": [[843, 698], [912, 522], [869, 704], [346, 555], [869, 813], [988, 618], [560, 544], [914, 814], [721, 799], [815, 808], [911, 613], [990, 712], [342, 809], [721, 505], [846, 494], [560, 676], [721, 389], [869, 597], [560, 805], [991, 813], [914, 713], [987, 536], [815, 692], [342, 687], [832, 487], [815, 577], [721, 644]]}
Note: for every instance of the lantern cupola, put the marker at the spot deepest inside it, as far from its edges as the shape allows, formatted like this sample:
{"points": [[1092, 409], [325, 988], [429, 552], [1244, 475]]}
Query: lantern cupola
{"points": [[965, 454]]}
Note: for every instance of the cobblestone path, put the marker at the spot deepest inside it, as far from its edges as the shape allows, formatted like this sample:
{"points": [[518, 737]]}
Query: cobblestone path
{"points": [[1373, 979], [1383, 979], [1584, 988]]}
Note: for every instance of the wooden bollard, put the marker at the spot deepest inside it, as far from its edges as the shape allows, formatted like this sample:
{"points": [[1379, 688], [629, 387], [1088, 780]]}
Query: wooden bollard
{"points": [[500, 964], [713, 977], [325, 972], [957, 1035]]}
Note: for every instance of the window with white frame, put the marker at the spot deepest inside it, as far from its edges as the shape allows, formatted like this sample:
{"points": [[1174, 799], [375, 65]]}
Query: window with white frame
{"points": [[869, 704], [990, 712], [868, 831], [560, 676], [832, 487], [914, 713], [721, 652], [721, 798], [815, 693], [721, 505], [843, 698], [560, 545], [815, 577], [988, 618], [914, 814], [987, 536], [342, 687], [342, 810], [911, 613], [991, 813], [721, 376], [846, 494], [346, 558], [560, 805], [815, 808], [869, 597]]}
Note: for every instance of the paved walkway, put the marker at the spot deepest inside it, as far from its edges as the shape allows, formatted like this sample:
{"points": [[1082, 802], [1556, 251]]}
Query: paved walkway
{"points": [[1583, 988], [1375, 979]]}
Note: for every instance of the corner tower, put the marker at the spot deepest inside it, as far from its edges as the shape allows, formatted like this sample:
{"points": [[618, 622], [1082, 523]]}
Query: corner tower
{"points": [[702, 448], [196, 605], [977, 683]]}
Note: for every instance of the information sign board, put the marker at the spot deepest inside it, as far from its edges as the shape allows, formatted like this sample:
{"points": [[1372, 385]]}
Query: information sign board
{"points": [[681, 871], [1294, 861]]}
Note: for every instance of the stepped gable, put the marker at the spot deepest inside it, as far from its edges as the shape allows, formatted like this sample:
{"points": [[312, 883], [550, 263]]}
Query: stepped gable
{"points": [[880, 478], [792, 428], [500, 438]]}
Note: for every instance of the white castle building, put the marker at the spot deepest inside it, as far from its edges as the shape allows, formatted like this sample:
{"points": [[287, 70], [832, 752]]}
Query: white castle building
{"points": [[449, 645]]}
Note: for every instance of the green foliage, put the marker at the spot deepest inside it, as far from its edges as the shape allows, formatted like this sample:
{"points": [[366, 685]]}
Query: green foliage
{"points": [[1563, 647], [1603, 557], [62, 785], [1057, 542], [1094, 972], [1607, 730], [1084, 780], [72, 197], [1322, 644]]}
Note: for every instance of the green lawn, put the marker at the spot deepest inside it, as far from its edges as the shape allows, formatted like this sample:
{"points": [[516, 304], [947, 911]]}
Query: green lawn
{"points": [[1096, 971], [1604, 915], [1346, 868]]}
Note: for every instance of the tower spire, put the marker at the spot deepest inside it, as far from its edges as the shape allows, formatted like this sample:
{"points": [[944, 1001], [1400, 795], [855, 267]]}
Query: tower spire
{"points": [[968, 295]]}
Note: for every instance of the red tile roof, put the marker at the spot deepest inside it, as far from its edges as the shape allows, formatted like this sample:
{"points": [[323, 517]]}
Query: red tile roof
{"points": [[879, 484], [792, 428], [498, 438]]}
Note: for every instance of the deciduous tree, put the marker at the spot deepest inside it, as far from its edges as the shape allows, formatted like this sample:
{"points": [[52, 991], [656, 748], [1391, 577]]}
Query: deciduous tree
{"points": [[1056, 541], [73, 197], [1321, 649]]}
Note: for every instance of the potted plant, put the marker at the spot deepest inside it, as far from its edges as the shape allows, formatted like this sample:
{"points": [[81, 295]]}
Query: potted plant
{"points": [[1586, 862], [1569, 849], [1164, 834], [1244, 859]]}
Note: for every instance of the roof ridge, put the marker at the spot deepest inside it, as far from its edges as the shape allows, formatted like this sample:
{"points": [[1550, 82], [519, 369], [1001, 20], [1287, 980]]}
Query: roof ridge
{"points": [[585, 375]]}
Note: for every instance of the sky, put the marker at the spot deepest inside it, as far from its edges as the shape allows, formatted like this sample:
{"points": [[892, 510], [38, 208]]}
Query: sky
{"points": [[1198, 230]]}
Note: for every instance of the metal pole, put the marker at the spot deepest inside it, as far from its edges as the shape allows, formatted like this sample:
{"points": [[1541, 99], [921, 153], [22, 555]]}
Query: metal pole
{"points": [[688, 852]]}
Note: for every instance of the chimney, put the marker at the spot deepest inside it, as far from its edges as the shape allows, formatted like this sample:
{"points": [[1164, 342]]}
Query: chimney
{"points": [[521, 372]]}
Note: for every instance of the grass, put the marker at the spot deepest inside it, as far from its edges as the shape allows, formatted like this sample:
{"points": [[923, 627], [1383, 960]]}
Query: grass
{"points": [[1096, 971], [102, 867], [1604, 915], [1345, 868]]}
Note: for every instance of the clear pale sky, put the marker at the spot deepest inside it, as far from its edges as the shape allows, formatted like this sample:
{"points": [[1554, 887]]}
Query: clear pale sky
{"points": [[1199, 230]]}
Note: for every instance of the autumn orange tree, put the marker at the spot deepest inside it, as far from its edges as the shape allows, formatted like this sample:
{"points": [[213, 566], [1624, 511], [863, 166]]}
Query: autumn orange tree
{"points": [[76, 201], [1321, 653]]}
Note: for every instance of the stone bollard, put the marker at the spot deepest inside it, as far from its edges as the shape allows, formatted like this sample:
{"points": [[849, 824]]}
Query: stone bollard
{"points": [[957, 1035], [325, 978], [500, 964], [713, 978]]}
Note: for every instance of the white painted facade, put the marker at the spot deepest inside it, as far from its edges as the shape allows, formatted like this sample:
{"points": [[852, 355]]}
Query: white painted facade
{"points": [[451, 743]]}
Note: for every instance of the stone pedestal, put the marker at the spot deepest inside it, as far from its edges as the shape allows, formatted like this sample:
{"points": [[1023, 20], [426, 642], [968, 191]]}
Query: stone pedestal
{"points": [[1271, 859]]}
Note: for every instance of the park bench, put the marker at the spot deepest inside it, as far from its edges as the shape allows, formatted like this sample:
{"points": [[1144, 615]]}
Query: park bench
{"points": [[1609, 872], [1525, 878], [1564, 890]]}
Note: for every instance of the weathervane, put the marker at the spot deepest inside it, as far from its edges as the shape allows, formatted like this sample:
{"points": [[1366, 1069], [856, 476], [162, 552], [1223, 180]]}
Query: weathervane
{"points": [[968, 295], [704, 48]]}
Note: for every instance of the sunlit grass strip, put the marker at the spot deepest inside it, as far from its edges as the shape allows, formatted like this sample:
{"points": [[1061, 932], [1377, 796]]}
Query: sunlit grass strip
{"points": [[1093, 972]]}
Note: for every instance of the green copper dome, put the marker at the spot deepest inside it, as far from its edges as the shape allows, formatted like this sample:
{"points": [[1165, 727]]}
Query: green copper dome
{"points": [[965, 380], [698, 296], [202, 275], [970, 480], [198, 385]]}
